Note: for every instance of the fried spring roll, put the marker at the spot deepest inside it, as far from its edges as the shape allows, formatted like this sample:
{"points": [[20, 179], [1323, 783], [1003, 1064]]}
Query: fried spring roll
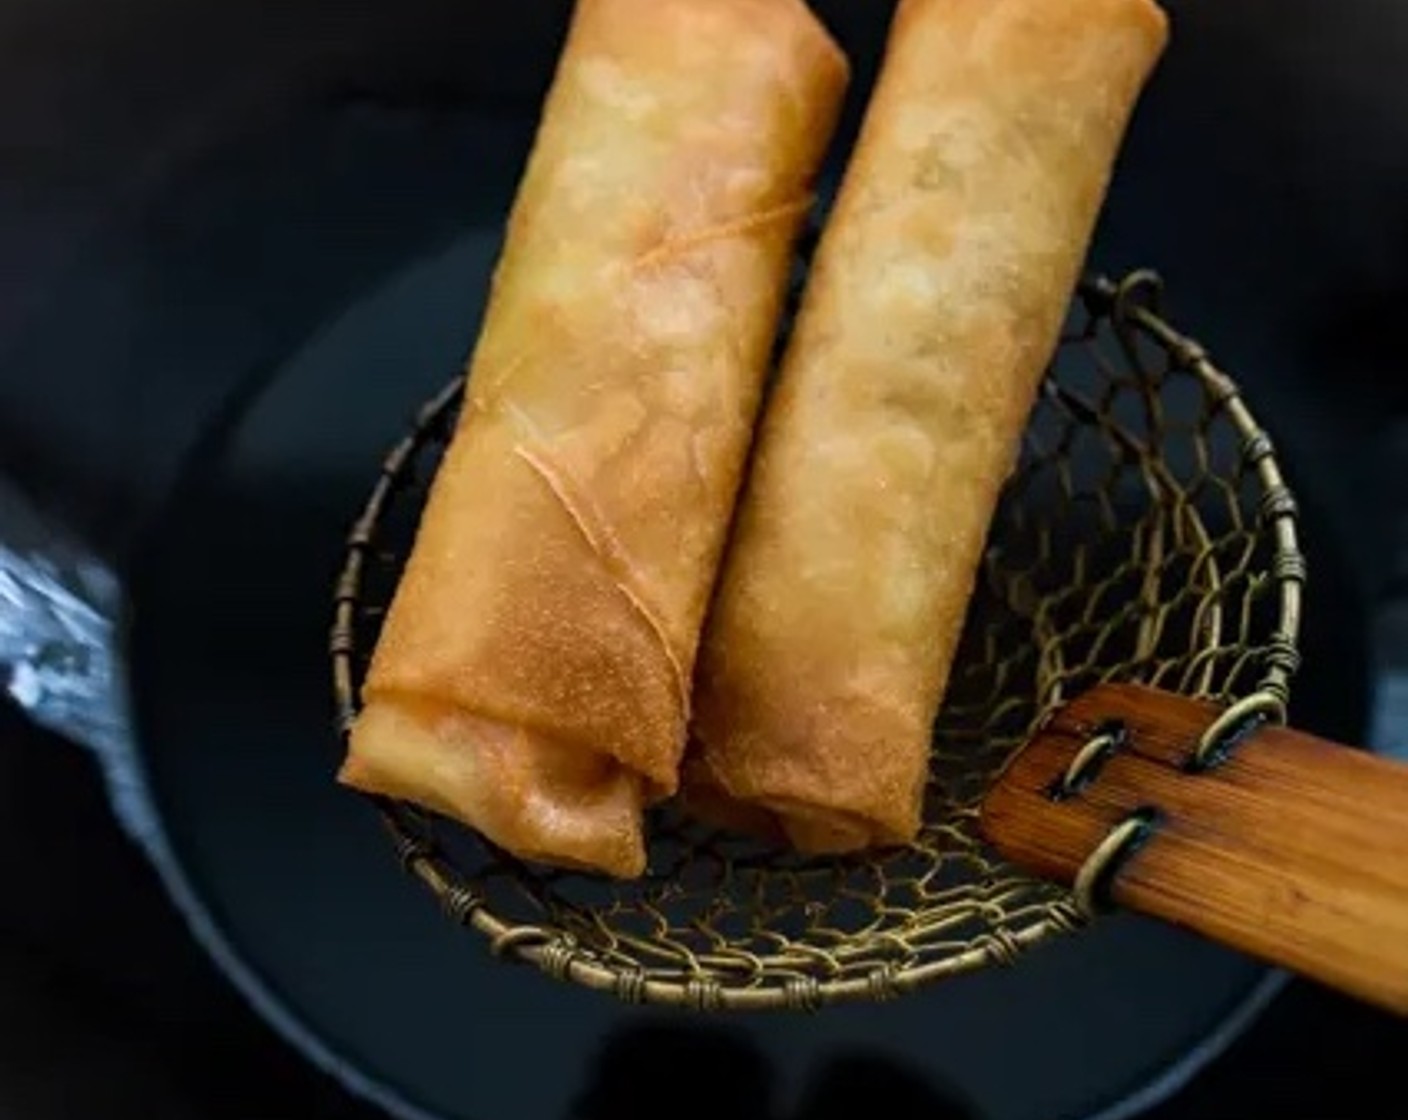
{"points": [[935, 302], [532, 678]]}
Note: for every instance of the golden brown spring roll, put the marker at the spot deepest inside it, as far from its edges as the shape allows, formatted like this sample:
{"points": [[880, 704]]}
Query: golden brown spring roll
{"points": [[532, 676], [935, 302]]}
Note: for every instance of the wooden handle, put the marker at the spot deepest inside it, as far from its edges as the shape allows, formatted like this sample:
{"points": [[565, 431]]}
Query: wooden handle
{"points": [[1284, 846]]}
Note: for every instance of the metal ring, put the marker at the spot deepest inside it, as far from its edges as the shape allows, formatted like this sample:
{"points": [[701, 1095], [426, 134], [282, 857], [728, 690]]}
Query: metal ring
{"points": [[1276, 687], [804, 993], [704, 993], [1086, 757], [1068, 916], [1001, 947], [516, 937], [558, 956], [1283, 654], [1256, 447], [1257, 704], [1121, 840], [630, 985], [1290, 567], [1143, 285], [460, 903], [1278, 502], [410, 850], [883, 982]]}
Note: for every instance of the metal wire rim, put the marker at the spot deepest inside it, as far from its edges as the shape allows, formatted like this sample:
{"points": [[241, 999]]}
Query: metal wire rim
{"points": [[806, 979]]}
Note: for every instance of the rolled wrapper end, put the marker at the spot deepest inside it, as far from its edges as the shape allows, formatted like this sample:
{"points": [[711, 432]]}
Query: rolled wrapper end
{"points": [[545, 800], [808, 828], [828, 777], [779, 808]]}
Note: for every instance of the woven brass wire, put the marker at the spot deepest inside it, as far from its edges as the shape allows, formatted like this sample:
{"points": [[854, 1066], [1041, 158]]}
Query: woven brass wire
{"points": [[1147, 535]]}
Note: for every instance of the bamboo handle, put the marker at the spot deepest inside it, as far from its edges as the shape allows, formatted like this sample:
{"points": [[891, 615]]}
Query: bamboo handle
{"points": [[1280, 844]]}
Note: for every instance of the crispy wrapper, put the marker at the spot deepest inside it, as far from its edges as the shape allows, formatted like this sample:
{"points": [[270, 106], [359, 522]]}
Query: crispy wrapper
{"points": [[532, 676], [936, 300]]}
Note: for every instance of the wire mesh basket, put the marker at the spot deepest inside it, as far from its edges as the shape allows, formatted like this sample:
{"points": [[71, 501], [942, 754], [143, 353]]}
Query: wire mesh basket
{"points": [[1147, 535]]}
